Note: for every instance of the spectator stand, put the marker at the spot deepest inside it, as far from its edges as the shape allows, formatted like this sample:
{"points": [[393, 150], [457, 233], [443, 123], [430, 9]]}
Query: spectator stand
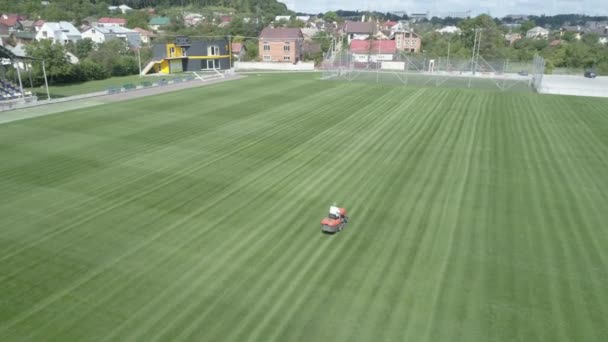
{"points": [[13, 69]]}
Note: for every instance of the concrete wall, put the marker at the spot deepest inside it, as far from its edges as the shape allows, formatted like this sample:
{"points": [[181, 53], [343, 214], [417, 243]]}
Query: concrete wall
{"points": [[302, 66], [392, 66]]}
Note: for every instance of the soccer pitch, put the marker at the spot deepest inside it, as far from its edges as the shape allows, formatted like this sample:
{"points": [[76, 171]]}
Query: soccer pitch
{"points": [[194, 216]]}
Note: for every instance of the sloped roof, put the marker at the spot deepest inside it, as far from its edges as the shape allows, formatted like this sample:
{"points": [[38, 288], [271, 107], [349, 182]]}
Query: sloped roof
{"points": [[236, 47], [160, 21], [281, 33], [63, 26], [107, 20], [112, 30], [10, 21], [373, 46], [538, 29], [143, 32], [360, 27]]}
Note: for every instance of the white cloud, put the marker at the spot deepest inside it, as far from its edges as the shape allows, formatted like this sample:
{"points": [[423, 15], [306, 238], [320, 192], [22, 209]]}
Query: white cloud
{"points": [[443, 7]]}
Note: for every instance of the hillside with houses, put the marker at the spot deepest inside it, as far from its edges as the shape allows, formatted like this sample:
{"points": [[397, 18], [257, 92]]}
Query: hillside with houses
{"points": [[117, 39]]}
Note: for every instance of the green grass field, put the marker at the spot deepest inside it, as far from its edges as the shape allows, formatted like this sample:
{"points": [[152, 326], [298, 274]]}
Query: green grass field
{"points": [[63, 90], [194, 216]]}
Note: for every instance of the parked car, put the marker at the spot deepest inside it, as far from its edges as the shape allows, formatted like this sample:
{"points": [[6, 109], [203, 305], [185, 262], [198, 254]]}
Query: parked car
{"points": [[590, 74], [523, 73]]}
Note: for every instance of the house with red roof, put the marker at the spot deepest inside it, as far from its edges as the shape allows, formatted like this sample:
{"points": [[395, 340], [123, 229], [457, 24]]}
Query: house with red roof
{"points": [[281, 45], [238, 50], [225, 20], [408, 41], [373, 50], [388, 25], [107, 22], [12, 21]]}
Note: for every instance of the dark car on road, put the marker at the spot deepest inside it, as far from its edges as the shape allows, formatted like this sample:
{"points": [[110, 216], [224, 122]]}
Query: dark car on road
{"points": [[590, 74]]}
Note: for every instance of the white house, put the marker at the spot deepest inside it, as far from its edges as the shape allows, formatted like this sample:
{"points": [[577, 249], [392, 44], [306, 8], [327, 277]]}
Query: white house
{"points": [[304, 18], [449, 30], [282, 17], [100, 35], [60, 33], [537, 32], [122, 8]]}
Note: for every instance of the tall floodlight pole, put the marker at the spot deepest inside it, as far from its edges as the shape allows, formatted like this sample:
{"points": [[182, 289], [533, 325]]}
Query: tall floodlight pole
{"points": [[19, 77], [473, 56], [139, 60]]}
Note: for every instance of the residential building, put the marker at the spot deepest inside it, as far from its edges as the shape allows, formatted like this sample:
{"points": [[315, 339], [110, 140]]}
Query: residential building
{"points": [[308, 33], [24, 37], [101, 34], [110, 22], [364, 51], [225, 20], [602, 32], [537, 32], [577, 31], [388, 25], [193, 19], [159, 23], [238, 51], [516, 18], [512, 37], [408, 41], [146, 36], [596, 25], [359, 30], [38, 24], [418, 17], [27, 25], [12, 21], [399, 26], [282, 17], [122, 8], [281, 45], [186, 55], [60, 32], [449, 30], [303, 18]]}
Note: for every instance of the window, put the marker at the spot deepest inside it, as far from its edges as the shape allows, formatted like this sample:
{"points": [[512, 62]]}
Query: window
{"points": [[286, 47], [412, 50], [266, 58], [213, 64], [266, 46], [407, 35], [184, 52], [286, 58], [172, 52], [213, 50], [44, 34]]}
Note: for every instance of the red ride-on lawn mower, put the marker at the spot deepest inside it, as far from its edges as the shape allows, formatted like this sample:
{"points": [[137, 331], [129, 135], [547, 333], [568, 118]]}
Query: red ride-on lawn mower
{"points": [[335, 221]]}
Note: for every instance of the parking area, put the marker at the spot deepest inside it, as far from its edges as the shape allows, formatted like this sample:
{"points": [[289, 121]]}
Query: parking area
{"points": [[574, 85]]}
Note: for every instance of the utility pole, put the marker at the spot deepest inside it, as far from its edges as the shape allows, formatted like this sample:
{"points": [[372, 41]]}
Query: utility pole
{"points": [[139, 61]]}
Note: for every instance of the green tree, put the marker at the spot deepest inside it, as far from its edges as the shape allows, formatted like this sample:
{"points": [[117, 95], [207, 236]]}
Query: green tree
{"points": [[54, 56], [331, 17], [81, 48], [251, 46], [137, 19], [526, 26]]}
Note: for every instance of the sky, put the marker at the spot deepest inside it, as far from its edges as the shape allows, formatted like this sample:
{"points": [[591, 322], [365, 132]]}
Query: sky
{"points": [[496, 8]]}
